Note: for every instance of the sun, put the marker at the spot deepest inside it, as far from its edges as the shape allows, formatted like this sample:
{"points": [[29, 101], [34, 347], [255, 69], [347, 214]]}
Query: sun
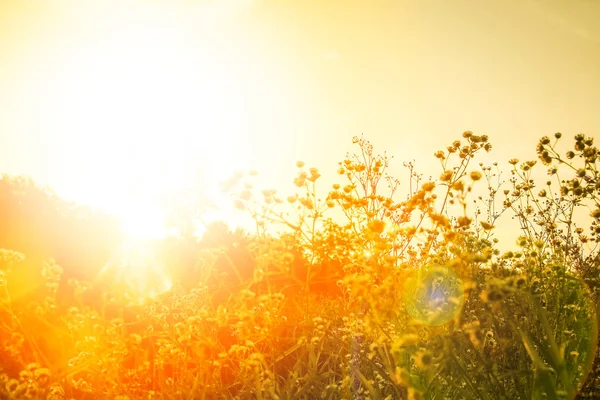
{"points": [[142, 106]]}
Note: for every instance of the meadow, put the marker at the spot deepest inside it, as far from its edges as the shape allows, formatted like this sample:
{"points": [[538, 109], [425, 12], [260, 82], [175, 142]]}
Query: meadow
{"points": [[381, 287]]}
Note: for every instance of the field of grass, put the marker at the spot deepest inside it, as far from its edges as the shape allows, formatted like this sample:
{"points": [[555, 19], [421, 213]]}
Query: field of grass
{"points": [[375, 289]]}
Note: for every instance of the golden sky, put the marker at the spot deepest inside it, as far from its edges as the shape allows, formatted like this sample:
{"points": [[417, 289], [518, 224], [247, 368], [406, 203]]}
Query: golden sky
{"points": [[110, 102]]}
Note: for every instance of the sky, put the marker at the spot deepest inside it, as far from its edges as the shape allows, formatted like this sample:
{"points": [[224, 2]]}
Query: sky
{"points": [[113, 102]]}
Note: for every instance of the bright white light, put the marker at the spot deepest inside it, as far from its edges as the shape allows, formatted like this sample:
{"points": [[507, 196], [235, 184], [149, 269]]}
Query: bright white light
{"points": [[137, 108]]}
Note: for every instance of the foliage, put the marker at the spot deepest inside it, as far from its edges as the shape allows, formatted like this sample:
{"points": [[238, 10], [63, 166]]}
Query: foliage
{"points": [[352, 294]]}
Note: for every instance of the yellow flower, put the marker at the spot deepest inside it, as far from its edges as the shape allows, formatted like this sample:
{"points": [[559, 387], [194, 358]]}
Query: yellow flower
{"points": [[491, 296], [300, 179], [11, 385], [486, 225], [423, 359], [476, 175], [458, 185], [428, 186], [464, 221], [314, 174], [439, 219], [446, 176], [376, 226]]}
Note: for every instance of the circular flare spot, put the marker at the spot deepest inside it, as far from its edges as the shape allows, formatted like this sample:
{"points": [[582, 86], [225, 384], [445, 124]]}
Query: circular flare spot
{"points": [[433, 295]]}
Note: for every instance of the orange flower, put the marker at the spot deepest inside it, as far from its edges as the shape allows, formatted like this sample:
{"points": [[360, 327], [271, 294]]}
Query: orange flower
{"points": [[376, 226]]}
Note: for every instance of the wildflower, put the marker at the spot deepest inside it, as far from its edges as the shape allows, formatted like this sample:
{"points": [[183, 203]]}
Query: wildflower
{"points": [[11, 385], [491, 296], [25, 375], [439, 219], [56, 392], [464, 221], [428, 186], [446, 176], [300, 180], [508, 255], [135, 339], [299, 164], [376, 226], [520, 282], [42, 375], [306, 202], [424, 359], [545, 157], [314, 174], [476, 175], [513, 161], [558, 135], [458, 185], [467, 134], [486, 225]]}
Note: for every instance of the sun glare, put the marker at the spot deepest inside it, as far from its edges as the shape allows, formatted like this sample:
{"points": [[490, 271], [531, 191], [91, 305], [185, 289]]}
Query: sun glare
{"points": [[141, 109]]}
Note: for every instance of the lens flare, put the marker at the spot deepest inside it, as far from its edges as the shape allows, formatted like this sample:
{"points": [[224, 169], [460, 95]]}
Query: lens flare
{"points": [[433, 295]]}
